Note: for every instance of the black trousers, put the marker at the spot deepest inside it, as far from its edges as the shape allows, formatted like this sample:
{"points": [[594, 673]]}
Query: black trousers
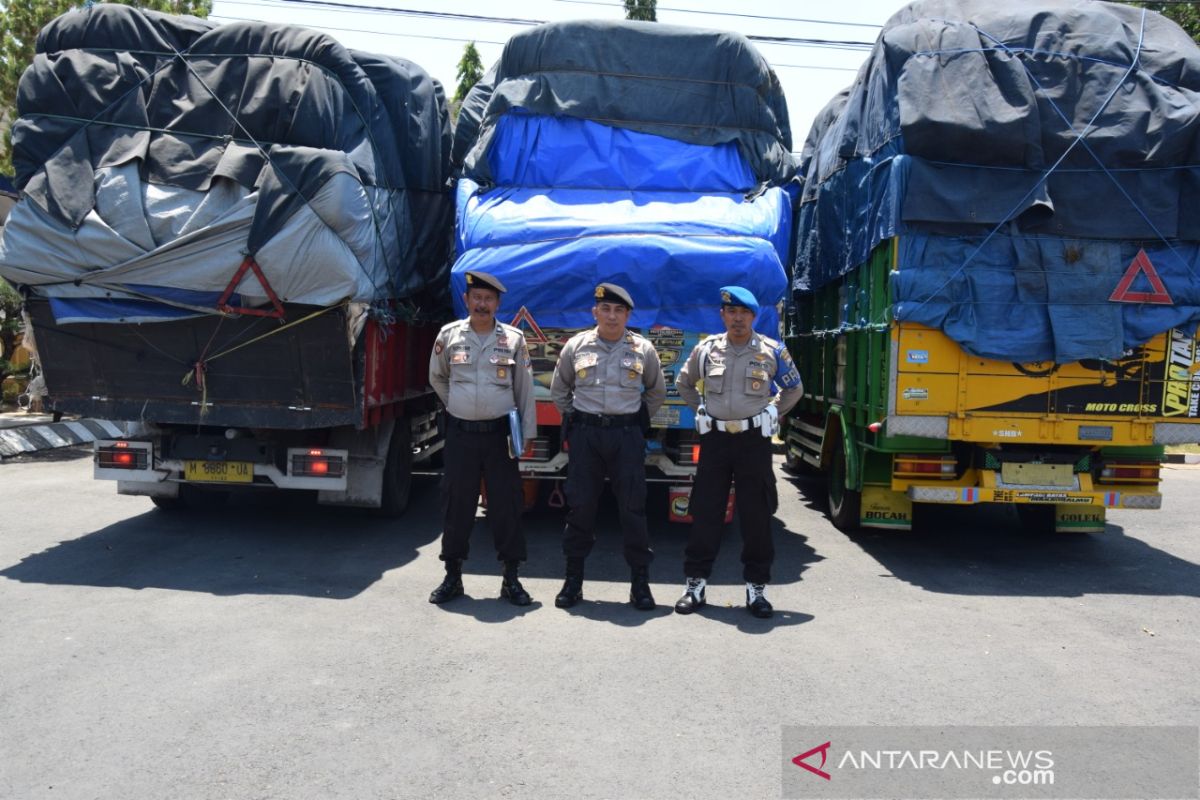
{"points": [[619, 454], [745, 460], [469, 457]]}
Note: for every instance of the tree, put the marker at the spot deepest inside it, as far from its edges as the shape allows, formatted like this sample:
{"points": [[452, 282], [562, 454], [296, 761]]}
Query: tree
{"points": [[10, 326], [1185, 15], [645, 10], [470, 70], [20, 21]]}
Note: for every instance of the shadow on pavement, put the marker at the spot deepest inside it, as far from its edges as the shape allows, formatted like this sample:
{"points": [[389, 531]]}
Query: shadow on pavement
{"points": [[982, 550], [268, 544]]}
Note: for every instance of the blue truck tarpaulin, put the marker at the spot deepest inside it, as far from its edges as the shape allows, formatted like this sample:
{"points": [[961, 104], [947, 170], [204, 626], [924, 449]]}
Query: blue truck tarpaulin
{"points": [[671, 221]]}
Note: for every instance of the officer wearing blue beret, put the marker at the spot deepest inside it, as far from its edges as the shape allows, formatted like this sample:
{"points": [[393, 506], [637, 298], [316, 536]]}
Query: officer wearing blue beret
{"points": [[738, 383]]}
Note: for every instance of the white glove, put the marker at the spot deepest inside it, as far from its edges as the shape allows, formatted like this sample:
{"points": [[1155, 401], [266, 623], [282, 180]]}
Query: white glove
{"points": [[770, 425], [704, 422]]}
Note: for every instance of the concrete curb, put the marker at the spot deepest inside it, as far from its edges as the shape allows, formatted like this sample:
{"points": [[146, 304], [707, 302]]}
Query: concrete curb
{"points": [[1181, 458], [33, 438]]}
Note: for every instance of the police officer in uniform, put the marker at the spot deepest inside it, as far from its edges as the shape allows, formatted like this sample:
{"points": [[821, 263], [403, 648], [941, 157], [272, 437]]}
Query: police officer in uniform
{"points": [[608, 384], [729, 381], [480, 368]]}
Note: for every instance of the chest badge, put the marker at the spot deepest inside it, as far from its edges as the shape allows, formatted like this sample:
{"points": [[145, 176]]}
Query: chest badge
{"points": [[501, 372], [756, 385], [632, 374], [582, 373]]}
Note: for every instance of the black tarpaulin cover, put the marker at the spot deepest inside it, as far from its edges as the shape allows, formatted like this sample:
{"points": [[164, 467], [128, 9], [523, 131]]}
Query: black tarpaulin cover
{"points": [[1034, 147], [154, 151], [694, 85]]}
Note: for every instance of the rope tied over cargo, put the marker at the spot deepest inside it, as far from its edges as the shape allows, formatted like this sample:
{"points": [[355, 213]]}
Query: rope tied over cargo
{"points": [[198, 371], [1076, 141]]}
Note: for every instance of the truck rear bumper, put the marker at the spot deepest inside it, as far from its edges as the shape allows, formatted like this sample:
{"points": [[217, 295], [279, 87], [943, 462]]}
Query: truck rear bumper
{"points": [[1119, 497]]}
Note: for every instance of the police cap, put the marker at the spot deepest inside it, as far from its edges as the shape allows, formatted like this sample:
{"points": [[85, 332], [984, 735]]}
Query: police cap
{"points": [[611, 293], [481, 280], [738, 296]]}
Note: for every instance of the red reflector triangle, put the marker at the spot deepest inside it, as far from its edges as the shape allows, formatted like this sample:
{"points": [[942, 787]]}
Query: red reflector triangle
{"points": [[524, 321], [1141, 263]]}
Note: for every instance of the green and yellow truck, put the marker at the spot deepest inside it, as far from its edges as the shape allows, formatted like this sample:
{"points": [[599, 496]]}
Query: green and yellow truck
{"points": [[995, 295]]}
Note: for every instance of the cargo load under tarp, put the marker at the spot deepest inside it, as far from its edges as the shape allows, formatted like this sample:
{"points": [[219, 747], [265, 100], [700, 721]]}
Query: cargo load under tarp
{"points": [[1031, 156], [158, 153], [649, 155]]}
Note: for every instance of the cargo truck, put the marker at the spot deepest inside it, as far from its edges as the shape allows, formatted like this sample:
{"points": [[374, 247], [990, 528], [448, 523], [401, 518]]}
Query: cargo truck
{"points": [[652, 156], [237, 236], [994, 296]]}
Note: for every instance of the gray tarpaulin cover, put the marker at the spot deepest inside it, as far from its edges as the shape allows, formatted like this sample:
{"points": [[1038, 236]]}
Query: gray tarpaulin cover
{"points": [[1025, 152], [156, 152]]}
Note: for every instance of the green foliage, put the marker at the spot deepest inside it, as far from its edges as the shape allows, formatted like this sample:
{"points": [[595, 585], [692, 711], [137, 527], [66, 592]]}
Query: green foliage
{"points": [[470, 70], [644, 10], [10, 326], [1185, 15], [20, 21]]}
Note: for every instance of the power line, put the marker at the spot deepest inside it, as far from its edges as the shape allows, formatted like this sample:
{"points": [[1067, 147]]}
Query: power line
{"points": [[734, 14], [323, 27], [794, 41]]}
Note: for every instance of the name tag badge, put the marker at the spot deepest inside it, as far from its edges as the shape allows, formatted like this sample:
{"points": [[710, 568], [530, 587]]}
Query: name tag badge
{"points": [[460, 354]]}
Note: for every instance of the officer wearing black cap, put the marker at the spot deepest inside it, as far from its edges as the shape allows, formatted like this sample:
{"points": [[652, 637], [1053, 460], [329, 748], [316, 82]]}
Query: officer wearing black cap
{"points": [[608, 383], [480, 368], [730, 380]]}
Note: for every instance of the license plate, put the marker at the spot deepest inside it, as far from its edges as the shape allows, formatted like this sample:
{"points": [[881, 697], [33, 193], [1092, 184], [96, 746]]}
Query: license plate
{"points": [[1038, 474], [219, 471]]}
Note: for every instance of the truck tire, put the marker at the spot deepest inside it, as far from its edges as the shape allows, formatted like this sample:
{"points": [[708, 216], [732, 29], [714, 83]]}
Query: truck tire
{"points": [[397, 473], [844, 503]]}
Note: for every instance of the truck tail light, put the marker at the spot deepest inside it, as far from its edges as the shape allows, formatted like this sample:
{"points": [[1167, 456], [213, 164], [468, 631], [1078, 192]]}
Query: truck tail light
{"points": [[941, 467], [537, 450], [119, 455], [1129, 472], [315, 463]]}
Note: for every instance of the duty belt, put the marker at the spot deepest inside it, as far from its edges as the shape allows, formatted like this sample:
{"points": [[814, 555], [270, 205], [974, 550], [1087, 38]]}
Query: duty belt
{"points": [[607, 420], [480, 426], [738, 425]]}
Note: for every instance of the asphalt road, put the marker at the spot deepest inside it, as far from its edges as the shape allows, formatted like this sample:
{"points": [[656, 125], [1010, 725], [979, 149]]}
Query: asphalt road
{"points": [[273, 649]]}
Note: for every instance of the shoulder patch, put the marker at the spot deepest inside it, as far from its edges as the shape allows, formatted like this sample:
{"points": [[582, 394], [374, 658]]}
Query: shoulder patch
{"points": [[786, 375]]}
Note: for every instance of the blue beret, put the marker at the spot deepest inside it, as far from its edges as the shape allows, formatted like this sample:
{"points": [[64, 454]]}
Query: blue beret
{"points": [[737, 296]]}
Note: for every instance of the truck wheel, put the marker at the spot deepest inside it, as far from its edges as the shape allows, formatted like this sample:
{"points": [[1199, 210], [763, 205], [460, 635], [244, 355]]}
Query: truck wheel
{"points": [[397, 474], [844, 504]]}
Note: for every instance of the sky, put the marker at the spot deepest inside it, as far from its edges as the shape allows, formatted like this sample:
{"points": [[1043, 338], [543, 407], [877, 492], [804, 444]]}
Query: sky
{"points": [[810, 74]]}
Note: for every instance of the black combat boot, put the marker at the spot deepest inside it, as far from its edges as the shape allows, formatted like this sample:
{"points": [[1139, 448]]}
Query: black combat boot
{"points": [[452, 586], [693, 596], [639, 589], [572, 588], [511, 588]]}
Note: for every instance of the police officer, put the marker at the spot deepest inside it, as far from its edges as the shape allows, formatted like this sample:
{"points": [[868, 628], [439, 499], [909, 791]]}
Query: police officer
{"points": [[729, 381], [607, 384], [480, 369]]}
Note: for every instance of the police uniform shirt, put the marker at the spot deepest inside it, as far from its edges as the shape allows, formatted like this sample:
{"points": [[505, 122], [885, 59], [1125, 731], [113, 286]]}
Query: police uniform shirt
{"points": [[737, 381], [599, 377], [480, 377]]}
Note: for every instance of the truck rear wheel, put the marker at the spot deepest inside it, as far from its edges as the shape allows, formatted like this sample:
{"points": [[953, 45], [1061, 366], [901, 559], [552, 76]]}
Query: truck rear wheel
{"points": [[844, 503], [397, 474]]}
